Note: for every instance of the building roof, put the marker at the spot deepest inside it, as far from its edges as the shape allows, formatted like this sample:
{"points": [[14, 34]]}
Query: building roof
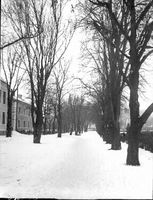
{"points": [[23, 99], [2, 80]]}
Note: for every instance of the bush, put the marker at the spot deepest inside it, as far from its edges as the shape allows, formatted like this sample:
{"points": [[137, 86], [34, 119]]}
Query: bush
{"points": [[145, 140], [123, 136], [25, 132]]}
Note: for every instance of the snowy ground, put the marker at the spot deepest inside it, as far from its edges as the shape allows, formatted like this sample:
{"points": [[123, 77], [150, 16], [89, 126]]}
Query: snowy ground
{"points": [[71, 167]]}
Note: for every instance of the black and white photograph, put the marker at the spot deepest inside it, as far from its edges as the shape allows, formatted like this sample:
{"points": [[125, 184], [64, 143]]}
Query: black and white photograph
{"points": [[76, 99]]}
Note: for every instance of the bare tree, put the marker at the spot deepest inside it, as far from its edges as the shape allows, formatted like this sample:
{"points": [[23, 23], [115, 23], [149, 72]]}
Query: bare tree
{"points": [[101, 115], [8, 38], [57, 89], [11, 65], [138, 34], [107, 52], [50, 109], [48, 112], [76, 107], [66, 117], [60, 80], [44, 51]]}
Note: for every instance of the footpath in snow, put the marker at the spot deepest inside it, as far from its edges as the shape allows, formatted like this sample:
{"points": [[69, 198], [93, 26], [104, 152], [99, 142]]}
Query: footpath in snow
{"points": [[74, 167]]}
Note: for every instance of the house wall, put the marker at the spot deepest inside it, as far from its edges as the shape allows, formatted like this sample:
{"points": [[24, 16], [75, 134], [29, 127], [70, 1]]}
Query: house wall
{"points": [[21, 116], [3, 107]]}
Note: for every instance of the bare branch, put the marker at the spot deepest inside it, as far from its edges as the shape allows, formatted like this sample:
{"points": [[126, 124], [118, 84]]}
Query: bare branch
{"points": [[143, 13], [18, 40], [145, 115]]}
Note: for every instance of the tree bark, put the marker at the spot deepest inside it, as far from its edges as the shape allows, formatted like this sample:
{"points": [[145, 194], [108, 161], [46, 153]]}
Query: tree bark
{"points": [[133, 146], [59, 121], [45, 126], [71, 129], [134, 129], [9, 114], [37, 134], [38, 125], [53, 126], [116, 143]]}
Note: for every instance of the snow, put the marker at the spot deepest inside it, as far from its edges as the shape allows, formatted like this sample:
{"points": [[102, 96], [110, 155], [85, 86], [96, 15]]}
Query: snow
{"points": [[80, 167]]}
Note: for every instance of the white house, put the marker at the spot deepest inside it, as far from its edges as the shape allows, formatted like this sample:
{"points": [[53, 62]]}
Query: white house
{"points": [[3, 107]]}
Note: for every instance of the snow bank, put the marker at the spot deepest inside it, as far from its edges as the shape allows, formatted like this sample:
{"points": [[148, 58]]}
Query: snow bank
{"points": [[71, 167]]}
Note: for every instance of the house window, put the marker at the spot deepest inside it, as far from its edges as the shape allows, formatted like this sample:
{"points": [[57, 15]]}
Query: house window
{"points": [[4, 97], [24, 123], [3, 118], [18, 123], [19, 109]]}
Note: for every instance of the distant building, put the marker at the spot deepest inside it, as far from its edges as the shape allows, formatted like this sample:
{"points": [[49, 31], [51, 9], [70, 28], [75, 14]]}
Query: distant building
{"points": [[124, 119], [21, 115], [21, 112], [3, 107], [91, 127]]}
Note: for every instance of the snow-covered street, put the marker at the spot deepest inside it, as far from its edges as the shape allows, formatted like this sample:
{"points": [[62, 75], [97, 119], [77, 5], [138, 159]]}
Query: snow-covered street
{"points": [[71, 167]]}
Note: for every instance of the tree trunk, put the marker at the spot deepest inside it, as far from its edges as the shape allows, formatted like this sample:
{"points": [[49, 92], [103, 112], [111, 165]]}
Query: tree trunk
{"points": [[78, 126], [75, 127], [38, 126], [116, 144], [59, 127], [53, 126], [71, 129], [45, 126], [74, 122], [9, 116], [133, 143], [134, 129], [133, 146], [49, 126], [86, 127], [59, 121], [37, 134]]}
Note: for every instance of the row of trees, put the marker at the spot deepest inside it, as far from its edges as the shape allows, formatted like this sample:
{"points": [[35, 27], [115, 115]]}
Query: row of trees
{"points": [[39, 42], [71, 115], [120, 44], [43, 35]]}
